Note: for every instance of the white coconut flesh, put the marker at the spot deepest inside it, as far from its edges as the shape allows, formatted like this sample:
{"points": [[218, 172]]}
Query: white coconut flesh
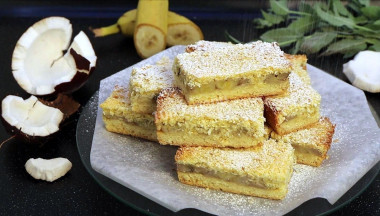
{"points": [[31, 116], [39, 63], [364, 71]]}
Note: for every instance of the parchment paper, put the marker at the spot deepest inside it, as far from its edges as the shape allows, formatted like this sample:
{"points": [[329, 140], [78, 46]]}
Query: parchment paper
{"points": [[148, 168]]}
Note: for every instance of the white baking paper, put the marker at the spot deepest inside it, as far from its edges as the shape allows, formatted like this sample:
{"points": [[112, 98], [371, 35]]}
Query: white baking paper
{"points": [[148, 168]]}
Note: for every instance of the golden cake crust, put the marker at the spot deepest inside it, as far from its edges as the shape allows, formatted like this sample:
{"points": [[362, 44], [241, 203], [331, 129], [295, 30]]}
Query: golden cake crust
{"points": [[235, 123], [270, 160], [200, 180], [311, 144], [299, 63], [171, 102], [269, 166], [216, 71], [147, 81], [259, 58], [301, 102], [118, 116]]}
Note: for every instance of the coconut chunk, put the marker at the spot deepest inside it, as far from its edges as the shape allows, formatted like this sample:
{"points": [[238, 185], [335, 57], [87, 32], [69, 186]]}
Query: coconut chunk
{"points": [[31, 116], [48, 170], [364, 71]]}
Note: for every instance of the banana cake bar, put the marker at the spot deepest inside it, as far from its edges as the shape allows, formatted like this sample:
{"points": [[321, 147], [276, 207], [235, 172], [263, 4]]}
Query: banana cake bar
{"points": [[236, 123], [118, 116], [146, 82], [231, 72], [296, 110], [262, 171], [299, 67], [311, 144]]}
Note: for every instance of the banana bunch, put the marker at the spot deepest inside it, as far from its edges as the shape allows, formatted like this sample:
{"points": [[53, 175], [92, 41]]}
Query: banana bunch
{"points": [[153, 27]]}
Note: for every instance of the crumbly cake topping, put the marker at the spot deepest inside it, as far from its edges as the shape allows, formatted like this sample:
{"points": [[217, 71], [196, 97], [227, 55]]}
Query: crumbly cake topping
{"points": [[206, 45], [119, 96], [226, 61], [317, 134], [299, 95], [299, 67], [171, 102], [297, 60], [119, 105], [269, 159], [152, 77]]}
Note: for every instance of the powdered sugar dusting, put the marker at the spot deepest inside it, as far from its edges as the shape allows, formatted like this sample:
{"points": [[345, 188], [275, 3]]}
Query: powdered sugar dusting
{"points": [[299, 94], [271, 160], [206, 45], [153, 78], [258, 57], [317, 135], [172, 103]]}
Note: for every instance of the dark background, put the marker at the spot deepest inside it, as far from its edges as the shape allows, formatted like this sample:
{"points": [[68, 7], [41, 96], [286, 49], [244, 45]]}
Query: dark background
{"points": [[77, 193]]}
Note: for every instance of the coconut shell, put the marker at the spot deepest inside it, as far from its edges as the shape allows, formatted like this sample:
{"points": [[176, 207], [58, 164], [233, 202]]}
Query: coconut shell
{"points": [[19, 135], [80, 78], [66, 104]]}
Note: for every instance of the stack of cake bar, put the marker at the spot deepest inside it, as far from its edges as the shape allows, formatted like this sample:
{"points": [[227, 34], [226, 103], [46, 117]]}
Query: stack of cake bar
{"points": [[241, 114]]}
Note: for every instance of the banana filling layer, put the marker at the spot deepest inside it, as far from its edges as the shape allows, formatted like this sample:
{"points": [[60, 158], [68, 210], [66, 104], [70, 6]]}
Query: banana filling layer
{"points": [[236, 84], [145, 103], [298, 116], [229, 177], [231, 131], [305, 150], [145, 123]]}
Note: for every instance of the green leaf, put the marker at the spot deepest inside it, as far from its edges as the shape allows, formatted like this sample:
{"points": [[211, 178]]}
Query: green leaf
{"points": [[272, 18], [303, 24], [366, 34], [372, 12], [296, 47], [306, 8], [321, 5], [325, 27], [346, 46], [261, 23], [377, 22], [360, 20], [280, 7], [365, 2], [334, 20], [230, 38], [373, 26], [340, 9], [354, 7], [283, 36], [375, 47], [315, 42], [372, 41], [349, 54]]}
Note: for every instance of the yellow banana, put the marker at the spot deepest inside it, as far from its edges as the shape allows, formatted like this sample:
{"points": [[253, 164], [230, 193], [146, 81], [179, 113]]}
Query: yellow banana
{"points": [[125, 24], [181, 30], [151, 27]]}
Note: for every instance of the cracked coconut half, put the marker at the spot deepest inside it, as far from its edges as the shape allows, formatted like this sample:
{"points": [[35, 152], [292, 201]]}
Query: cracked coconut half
{"points": [[45, 63]]}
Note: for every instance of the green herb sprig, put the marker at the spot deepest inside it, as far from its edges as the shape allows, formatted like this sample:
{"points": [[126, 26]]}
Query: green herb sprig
{"points": [[324, 27]]}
